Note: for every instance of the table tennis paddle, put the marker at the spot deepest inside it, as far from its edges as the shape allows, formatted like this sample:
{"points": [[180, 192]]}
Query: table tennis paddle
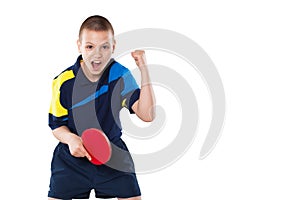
{"points": [[97, 145]]}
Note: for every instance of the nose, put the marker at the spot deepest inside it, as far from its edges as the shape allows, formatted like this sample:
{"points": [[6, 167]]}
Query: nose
{"points": [[98, 52]]}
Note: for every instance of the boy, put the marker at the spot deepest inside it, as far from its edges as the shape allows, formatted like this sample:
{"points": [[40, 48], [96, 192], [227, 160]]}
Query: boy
{"points": [[72, 175]]}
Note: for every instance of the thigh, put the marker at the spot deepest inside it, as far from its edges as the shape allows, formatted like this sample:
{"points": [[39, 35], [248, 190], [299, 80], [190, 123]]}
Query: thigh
{"points": [[112, 182], [117, 184], [70, 176]]}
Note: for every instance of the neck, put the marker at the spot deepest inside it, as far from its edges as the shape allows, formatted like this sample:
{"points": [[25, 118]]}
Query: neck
{"points": [[91, 77]]}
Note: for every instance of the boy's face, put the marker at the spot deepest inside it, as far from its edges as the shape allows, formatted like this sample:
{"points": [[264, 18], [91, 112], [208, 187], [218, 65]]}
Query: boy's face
{"points": [[96, 48]]}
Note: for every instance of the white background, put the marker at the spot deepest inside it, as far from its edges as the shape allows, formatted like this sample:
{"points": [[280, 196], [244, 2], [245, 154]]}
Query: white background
{"points": [[255, 46]]}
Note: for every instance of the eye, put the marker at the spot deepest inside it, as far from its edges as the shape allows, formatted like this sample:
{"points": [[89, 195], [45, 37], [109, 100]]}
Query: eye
{"points": [[105, 47], [89, 47]]}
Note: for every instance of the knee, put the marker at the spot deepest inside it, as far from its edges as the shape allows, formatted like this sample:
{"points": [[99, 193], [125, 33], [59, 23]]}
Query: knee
{"points": [[132, 198]]}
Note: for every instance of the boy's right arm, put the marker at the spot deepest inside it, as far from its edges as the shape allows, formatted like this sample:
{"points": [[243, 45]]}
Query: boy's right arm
{"points": [[64, 135]]}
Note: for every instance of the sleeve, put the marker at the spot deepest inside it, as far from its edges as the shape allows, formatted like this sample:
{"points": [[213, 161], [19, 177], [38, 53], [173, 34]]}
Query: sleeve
{"points": [[58, 114], [130, 91]]}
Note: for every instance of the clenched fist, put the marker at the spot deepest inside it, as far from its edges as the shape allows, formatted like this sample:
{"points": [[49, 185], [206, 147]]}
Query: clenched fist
{"points": [[139, 57]]}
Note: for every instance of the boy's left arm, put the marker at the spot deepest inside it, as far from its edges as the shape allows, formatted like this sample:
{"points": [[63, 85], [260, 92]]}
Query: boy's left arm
{"points": [[144, 108]]}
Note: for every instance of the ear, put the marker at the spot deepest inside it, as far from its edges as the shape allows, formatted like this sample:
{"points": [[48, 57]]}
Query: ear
{"points": [[114, 46], [79, 46]]}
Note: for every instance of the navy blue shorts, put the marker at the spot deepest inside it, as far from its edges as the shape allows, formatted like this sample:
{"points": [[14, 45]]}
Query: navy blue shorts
{"points": [[74, 178]]}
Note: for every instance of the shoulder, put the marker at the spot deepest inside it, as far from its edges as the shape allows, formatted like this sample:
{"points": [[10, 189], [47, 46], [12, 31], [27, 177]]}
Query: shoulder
{"points": [[116, 71], [66, 75]]}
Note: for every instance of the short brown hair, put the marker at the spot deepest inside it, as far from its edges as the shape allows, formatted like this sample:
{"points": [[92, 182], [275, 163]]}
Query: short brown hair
{"points": [[96, 23]]}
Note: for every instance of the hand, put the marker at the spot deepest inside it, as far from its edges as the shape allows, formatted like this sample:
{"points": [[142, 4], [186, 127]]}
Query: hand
{"points": [[139, 57], [76, 147]]}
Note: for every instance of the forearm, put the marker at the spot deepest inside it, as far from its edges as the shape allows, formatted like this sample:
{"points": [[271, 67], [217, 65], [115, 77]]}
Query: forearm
{"points": [[146, 103], [144, 108], [63, 134]]}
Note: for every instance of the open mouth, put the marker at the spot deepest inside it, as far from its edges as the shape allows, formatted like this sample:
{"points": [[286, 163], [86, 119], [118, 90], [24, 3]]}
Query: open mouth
{"points": [[96, 65]]}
